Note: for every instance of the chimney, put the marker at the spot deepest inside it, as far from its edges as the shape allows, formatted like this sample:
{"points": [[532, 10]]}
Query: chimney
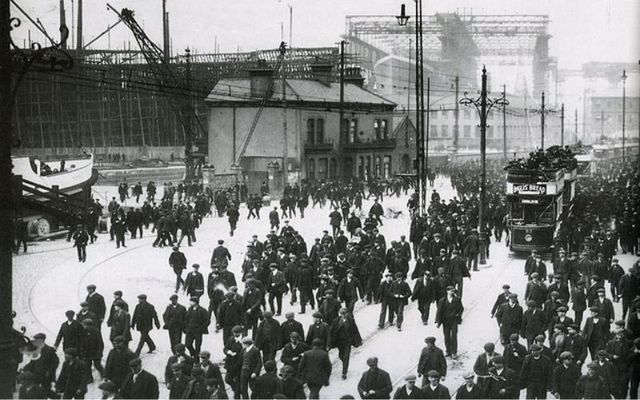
{"points": [[261, 78], [322, 72], [353, 76]]}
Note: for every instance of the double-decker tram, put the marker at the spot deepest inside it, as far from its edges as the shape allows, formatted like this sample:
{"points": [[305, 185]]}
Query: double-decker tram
{"points": [[540, 195]]}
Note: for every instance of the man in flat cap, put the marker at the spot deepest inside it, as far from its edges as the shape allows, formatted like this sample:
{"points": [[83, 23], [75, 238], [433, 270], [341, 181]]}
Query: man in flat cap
{"points": [[144, 316], [196, 324], [178, 261], [409, 390], [139, 384], [502, 298], [173, 318], [605, 307], [533, 322], [469, 390], [315, 368], [591, 385], [43, 368], [504, 383], [96, 304], [344, 334], [375, 383], [109, 390], [565, 377], [70, 332], [483, 362], [431, 358], [293, 350], [514, 354], [449, 315], [595, 331], [349, 289], [31, 387], [536, 373], [230, 314], [194, 284], [509, 316], [74, 376], [435, 390], [233, 360], [117, 365]]}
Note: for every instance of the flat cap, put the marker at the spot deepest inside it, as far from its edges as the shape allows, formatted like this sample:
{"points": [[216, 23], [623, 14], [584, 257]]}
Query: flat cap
{"points": [[594, 309], [566, 355], [236, 329], [539, 338], [536, 347], [430, 339], [489, 346], [433, 373], [561, 309], [317, 314], [91, 286], [498, 360], [72, 351], [134, 362], [513, 296], [410, 378], [108, 386], [194, 298], [505, 286], [205, 354], [372, 361], [531, 303], [514, 336], [469, 375], [142, 296]]}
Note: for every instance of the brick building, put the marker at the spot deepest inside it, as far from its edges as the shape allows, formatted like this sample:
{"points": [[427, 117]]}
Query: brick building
{"points": [[315, 150]]}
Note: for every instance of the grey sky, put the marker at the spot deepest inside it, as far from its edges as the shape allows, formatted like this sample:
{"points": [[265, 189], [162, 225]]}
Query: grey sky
{"points": [[582, 30]]}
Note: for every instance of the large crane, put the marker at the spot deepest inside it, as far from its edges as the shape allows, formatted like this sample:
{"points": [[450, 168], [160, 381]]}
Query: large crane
{"points": [[166, 77]]}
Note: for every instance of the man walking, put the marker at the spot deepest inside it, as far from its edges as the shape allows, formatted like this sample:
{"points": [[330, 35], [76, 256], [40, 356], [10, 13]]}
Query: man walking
{"points": [[344, 334], [144, 316], [315, 368], [174, 318], [449, 315]]}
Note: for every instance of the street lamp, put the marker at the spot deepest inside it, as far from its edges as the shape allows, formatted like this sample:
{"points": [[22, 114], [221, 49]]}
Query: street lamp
{"points": [[483, 105], [421, 154], [624, 93]]}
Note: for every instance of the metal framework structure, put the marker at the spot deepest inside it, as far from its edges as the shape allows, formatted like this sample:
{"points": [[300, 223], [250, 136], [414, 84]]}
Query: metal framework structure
{"points": [[453, 43]]}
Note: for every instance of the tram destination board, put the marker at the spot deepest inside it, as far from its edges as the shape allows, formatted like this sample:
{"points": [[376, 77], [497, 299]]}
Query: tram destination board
{"points": [[530, 188]]}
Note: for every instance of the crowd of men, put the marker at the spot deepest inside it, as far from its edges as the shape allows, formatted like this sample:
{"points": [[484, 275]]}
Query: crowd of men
{"points": [[341, 272]]}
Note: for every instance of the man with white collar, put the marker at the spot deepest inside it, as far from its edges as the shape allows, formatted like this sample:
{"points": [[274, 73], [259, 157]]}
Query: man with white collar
{"points": [[434, 390], [409, 390]]}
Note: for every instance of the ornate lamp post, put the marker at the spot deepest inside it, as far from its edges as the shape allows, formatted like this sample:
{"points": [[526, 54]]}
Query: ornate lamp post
{"points": [[421, 159], [483, 105]]}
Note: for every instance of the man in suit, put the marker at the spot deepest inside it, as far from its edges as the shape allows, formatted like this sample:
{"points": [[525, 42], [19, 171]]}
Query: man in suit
{"points": [[605, 307], [70, 333], [344, 334], [178, 263], [469, 389], [458, 271], [595, 331], [276, 286], [211, 373], [431, 358], [401, 292], [449, 315], [139, 384], [409, 390], [483, 362], [233, 360], [565, 377], [173, 317], [290, 386], [349, 289], [502, 298], [220, 254], [251, 365], [117, 296], [425, 292], [503, 383], [117, 365], [196, 324], [290, 325], [194, 284], [230, 314], [251, 302], [318, 330], [293, 350], [533, 322], [144, 316], [315, 368], [268, 336], [96, 304], [536, 373], [74, 376], [375, 382], [509, 317], [266, 385]]}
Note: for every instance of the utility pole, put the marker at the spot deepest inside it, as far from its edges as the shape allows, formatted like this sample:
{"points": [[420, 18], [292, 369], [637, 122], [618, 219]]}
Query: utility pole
{"points": [[341, 124], [504, 124], [426, 149], [409, 87], [624, 95], [562, 125], [456, 124], [8, 361], [79, 32], [542, 124], [63, 22], [188, 137], [285, 153], [165, 32], [575, 126]]}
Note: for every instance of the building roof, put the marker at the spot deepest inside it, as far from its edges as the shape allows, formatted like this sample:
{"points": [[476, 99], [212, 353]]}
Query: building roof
{"points": [[297, 90]]}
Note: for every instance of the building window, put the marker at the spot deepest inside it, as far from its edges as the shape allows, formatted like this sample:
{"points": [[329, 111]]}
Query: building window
{"points": [[376, 128], [406, 163], [433, 131], [323, 164], [477, 131], [361, 167], [353, 129], [320, 130], [385, 129], [378, 167], [444, 131], [311, 130], [311, 172], [333, 168], [387, 167], [367, 167], [467, 131]]}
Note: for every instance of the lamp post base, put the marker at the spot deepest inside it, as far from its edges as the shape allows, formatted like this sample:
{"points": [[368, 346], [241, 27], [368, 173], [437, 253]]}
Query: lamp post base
{"points": [[483, 248]]}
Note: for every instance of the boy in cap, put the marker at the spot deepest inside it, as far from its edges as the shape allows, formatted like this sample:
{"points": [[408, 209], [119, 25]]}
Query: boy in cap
{"points": [[591, 385], [469, 390], [504, 383], [409, 390], [431, 358], [434, 390]]}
